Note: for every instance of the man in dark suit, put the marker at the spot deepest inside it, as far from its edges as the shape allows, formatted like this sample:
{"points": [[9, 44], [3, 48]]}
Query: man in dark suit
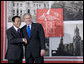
{"points": [[15, 49], [34, 33]]}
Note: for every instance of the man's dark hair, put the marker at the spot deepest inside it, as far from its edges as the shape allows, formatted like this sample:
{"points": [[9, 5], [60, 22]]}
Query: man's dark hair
{"points": [[13, 19]]}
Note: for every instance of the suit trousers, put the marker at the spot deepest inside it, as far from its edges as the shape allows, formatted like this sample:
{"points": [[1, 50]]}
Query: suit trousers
{"points": [[36, 59], [14, 61]]}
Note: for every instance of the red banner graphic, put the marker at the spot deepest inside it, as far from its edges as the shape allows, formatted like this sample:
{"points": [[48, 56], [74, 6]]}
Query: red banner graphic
{"points": [[52, 21]]}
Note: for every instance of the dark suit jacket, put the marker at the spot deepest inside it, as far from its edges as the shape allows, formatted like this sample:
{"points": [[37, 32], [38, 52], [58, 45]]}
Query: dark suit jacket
{"points": [[36, 41], [15, 48]]}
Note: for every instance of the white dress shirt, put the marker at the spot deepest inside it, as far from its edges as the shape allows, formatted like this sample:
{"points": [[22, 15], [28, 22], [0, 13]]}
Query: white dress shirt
{"points": [[15, 28], [30, 25]]}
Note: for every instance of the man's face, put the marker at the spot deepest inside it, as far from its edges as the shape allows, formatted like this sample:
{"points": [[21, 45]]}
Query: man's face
{"points": [[17, 22], [27, 19]]}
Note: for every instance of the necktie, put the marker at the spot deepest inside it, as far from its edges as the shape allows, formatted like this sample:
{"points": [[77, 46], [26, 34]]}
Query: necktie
{"points": [[18, 31], [29, 31]]}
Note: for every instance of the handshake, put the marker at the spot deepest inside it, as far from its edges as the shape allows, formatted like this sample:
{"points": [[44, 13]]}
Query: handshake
{"points": [[25, 40]]}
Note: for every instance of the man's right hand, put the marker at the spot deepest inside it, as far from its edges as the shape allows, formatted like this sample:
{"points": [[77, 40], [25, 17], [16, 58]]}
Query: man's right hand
{"points": [[25, 40]]}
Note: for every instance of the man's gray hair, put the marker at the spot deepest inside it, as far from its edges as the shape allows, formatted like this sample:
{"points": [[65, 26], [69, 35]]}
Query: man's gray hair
{"points": [[27, 14]]}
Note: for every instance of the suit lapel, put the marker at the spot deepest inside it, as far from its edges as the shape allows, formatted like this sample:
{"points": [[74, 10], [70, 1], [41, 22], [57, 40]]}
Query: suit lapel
{"points": [[14, 32], [26, 33], [32, 28]]}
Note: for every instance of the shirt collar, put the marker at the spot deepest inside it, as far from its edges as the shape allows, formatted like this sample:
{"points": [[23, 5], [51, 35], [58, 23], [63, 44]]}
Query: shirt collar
{"points": [[30, 25], [15, 28]]}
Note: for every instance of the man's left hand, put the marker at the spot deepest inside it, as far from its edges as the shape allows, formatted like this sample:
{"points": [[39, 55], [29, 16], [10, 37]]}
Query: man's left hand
{"points": [[42, 52]]}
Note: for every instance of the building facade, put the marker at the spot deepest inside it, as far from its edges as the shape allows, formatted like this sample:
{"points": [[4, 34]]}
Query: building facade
{"points": [[72, 49], [19, 8]]}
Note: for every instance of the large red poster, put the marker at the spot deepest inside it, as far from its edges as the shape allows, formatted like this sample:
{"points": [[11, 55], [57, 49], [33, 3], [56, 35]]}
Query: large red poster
{"points": [[52, 21]]}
